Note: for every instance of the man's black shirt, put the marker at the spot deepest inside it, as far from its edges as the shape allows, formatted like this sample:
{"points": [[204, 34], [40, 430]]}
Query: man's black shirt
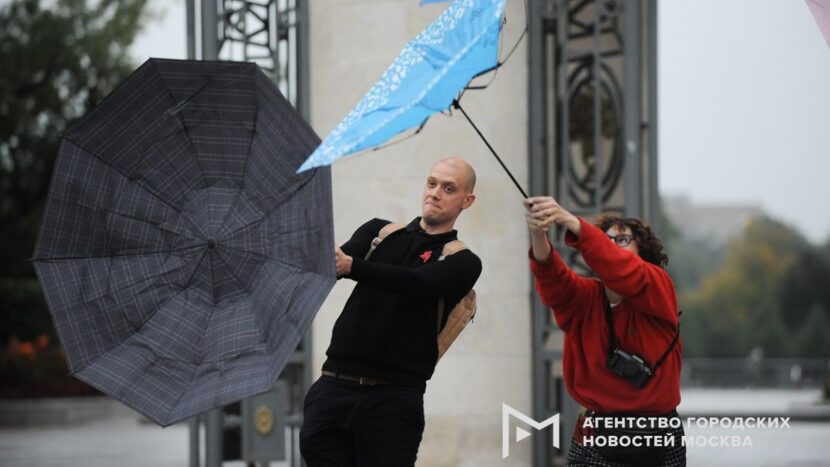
{"points": [[388, 329]]}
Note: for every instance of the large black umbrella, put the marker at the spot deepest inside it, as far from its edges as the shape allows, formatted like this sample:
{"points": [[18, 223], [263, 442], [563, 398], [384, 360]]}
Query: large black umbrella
{"points": [[181, 256]]}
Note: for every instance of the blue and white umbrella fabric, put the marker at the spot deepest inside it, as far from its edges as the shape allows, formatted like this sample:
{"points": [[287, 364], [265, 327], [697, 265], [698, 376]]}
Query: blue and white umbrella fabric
{"points": [[427, 76]]}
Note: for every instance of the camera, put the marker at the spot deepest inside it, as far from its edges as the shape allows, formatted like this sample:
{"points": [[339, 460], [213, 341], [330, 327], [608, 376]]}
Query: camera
{"points": [[630, 367]]}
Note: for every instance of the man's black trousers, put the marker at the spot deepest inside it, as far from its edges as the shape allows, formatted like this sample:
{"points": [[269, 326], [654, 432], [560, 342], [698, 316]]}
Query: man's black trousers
{"points": [[346, 424]]}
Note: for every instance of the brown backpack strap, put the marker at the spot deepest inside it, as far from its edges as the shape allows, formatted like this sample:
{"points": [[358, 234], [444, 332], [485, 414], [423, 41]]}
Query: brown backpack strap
{"points": [[463, 312], [450, 248], [383, 233], [457, 320]]}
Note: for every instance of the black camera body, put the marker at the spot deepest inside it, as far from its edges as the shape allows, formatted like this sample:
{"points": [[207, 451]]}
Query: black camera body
{"points": [[630, 367]]}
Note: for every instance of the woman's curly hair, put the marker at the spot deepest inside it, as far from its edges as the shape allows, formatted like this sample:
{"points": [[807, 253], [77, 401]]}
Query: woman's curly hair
{"points": [[648, 245]]}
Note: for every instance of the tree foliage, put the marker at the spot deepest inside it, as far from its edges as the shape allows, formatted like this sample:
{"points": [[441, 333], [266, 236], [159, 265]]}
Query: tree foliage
{"points": [[58, 62], [59, 59], [799, 292], [769, 292]]}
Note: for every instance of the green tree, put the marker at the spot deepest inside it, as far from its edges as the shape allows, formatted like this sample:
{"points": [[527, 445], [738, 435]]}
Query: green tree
{"points": [[804, 287], [813, 339], [690, 259], [735, 309], [58, 62], [824, 251]]}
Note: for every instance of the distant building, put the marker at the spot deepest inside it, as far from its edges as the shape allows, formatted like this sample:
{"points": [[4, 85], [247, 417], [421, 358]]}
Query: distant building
{"points": [[715, 222]]}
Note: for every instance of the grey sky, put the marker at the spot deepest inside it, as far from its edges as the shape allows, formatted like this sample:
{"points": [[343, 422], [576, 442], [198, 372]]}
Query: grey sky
{"points": [[745, 107], [744, 112]]}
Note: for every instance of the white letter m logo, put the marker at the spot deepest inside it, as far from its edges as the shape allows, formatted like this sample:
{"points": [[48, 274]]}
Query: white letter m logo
{"points": [[507, 412]]}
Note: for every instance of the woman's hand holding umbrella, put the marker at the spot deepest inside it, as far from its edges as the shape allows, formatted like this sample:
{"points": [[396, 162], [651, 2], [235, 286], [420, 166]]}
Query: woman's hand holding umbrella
{"points": [[542, 212]]}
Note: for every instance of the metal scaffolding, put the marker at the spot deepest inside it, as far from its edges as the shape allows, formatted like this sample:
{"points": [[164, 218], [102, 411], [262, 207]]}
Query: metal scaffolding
{"points": [[270, 33], [274, 35]]}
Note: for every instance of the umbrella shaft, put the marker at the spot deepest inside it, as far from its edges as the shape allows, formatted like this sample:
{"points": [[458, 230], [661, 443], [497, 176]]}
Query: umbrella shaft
{"points": [[457, 105]]}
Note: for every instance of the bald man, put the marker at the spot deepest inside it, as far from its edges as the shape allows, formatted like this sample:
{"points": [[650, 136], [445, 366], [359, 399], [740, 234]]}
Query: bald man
{"points": [[367, 408]]}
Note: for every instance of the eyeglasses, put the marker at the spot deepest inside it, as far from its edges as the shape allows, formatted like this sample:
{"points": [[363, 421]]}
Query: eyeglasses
{"points": [[622, 240]]}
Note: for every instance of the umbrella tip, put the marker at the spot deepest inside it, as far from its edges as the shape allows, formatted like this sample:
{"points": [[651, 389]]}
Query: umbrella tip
{"points": [[306, 166]]}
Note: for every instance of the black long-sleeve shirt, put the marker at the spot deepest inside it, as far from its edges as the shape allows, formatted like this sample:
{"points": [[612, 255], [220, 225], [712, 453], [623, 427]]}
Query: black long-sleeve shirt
{"points": [[388, 329]]}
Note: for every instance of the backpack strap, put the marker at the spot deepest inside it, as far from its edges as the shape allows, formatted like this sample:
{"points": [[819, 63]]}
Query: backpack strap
{"points": [[463, 312], [450, 248], [383, 233]]}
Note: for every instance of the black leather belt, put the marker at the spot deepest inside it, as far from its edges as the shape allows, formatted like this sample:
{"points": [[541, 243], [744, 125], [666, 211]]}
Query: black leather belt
{"points": [[362, 380]]}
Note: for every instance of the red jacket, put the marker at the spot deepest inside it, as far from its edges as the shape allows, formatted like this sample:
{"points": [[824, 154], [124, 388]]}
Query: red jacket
{"points": [[646, 322]]}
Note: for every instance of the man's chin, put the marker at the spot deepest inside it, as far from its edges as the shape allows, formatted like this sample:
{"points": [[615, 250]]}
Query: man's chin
{"points": [[430, 220]]}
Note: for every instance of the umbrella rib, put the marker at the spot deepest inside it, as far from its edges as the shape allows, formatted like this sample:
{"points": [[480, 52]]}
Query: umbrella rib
{"points": [[212, 281], [401, 140], [195, 367], [108, 164], [150, 279], [144, 281], [253, 130], [177, 114], [287, 199], [158, 225], [193, 274], [292, 297], [230, 209], [145, 221], [126, 401], [113, 255], [184, 289], [137, 329], [500, 62], [125, 216], [259, 255], [100, 356], [201, 337], [233, 273]]}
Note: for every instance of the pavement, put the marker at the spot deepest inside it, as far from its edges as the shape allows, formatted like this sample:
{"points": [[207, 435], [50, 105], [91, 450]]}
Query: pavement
{"points": [[803, 405], [119, 438], [801, 442]]}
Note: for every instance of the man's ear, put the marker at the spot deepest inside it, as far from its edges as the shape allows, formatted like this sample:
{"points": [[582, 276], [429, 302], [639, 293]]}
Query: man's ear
{"points": [[468, 201]]}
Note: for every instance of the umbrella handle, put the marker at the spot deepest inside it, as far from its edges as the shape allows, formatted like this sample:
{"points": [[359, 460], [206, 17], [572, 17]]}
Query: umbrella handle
{"points": [[457, 105]]}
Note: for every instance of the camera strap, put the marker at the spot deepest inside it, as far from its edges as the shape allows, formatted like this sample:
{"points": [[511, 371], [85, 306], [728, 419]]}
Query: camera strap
{"points": [[612, 340]]}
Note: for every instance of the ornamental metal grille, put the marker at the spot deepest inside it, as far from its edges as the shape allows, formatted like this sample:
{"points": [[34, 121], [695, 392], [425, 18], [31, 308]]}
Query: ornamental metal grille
{"points": [[271, 33], [264, 32], [592, 146]]}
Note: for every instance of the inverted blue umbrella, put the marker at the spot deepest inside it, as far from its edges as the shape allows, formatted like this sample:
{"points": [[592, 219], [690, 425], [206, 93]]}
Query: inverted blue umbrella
{"points": [[427, 77]]}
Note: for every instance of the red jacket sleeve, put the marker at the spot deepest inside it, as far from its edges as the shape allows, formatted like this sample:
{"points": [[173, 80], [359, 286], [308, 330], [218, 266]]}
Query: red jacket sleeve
{"points": [[647, 286], [560, 288]]}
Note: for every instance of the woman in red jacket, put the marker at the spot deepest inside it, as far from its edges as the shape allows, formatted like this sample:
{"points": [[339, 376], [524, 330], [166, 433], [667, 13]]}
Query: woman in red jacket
{"points": [[628, 379]]}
